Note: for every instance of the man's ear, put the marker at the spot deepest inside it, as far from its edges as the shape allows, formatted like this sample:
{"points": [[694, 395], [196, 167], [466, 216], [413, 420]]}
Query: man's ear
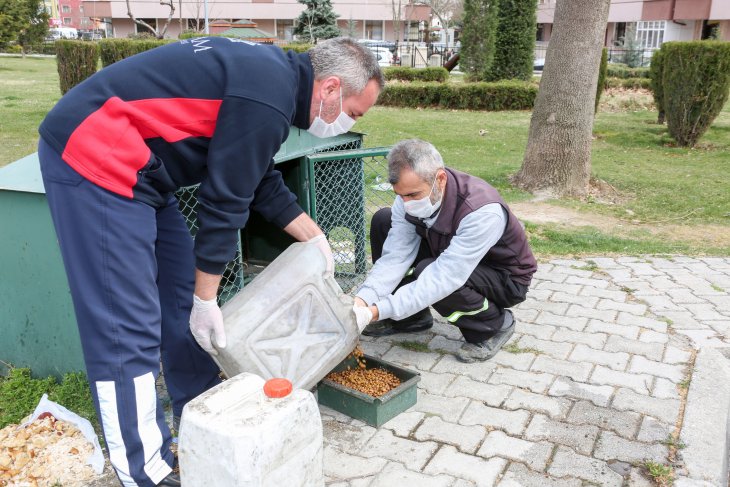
{"points": [[329, 86]]}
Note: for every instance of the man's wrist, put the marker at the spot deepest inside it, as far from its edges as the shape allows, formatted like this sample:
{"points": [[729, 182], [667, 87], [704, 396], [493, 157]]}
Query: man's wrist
{"points": [[375, 312]]}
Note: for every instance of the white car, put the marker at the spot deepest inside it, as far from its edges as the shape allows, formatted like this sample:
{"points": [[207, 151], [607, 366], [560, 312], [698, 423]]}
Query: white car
{"points": [[383, 55]]}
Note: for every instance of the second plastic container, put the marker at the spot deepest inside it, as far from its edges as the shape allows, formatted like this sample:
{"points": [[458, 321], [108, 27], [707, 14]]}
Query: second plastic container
{"points": [[291, 321], [242, 433]]}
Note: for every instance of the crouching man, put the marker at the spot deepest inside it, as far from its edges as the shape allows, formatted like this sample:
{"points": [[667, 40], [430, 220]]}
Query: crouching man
{"points": [[449, 241]]}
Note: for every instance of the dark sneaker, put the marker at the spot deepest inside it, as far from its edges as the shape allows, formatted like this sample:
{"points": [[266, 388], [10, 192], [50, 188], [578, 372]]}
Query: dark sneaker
{"points": [[172, 480], [418, 322], [482, 351]]}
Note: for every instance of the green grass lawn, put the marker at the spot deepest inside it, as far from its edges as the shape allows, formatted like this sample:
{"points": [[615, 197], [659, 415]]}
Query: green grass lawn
{"points": [[657, 182], [28, 90]]}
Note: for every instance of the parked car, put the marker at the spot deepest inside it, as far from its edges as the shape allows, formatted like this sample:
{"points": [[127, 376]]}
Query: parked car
{"points": [[379, 43], [383, 55], [539, 64], [57, 33]]}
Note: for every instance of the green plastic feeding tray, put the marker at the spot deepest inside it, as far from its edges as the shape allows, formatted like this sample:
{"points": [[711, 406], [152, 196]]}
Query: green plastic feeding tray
{"points": [[374, 411]]}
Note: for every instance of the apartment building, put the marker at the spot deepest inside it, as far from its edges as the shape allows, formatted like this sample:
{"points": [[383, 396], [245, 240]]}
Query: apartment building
{"points": [[653, 21], [366, 19]]}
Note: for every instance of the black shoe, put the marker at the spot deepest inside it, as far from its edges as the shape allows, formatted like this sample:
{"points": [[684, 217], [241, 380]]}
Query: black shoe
{"points": [[417, 322], [483, 351], [172, 480]]}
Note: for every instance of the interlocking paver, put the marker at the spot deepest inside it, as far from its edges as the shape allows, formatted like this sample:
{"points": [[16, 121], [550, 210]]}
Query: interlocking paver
{"points": [[630, 332], [584, 354], [468, 388], [594, 340], [477, 414], [413, 454], [447, 409], [625, 423], [641, 365], [580, 437], [598, 395], [653, 351], [476, 469], [600, 391], [397, 474], [554, 349], [465, 438], [534, 454], [535, 381], [663, 409], [556, 408], [652, 430], [638, 382], [568, 463], [612, 447], [572, 369]]}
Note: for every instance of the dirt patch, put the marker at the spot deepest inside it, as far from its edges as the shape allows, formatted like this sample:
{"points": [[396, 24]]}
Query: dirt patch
{"points": [[543, 212]]}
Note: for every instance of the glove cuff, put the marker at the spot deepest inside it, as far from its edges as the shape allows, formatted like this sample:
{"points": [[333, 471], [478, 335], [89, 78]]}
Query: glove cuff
{"points": [[317, 238], [202, 303]]}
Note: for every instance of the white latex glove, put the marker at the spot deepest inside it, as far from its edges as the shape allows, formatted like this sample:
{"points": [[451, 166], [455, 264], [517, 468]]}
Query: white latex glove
{"points": [[206, 320], [363, 316], [324, 246]]}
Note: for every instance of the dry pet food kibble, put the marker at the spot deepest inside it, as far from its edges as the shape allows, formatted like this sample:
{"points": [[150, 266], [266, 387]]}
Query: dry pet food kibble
{"points": [[374, 382], [44, 453]]}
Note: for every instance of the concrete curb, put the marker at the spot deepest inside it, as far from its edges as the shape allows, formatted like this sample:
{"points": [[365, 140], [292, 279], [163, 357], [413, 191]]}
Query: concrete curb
{"points": [[705, 426]]}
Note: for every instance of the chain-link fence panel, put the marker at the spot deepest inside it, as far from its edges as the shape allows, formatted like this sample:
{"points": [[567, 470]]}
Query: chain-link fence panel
{"points": [[349, 187], [232, 280]]}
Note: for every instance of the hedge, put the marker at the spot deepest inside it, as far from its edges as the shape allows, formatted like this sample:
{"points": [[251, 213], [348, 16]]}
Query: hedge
{"points": [[623, 71], [502, 95], [629, 83], [655, 71], [76, 61], [695, 82], [601, 85], [416, 74], [113, 50]]}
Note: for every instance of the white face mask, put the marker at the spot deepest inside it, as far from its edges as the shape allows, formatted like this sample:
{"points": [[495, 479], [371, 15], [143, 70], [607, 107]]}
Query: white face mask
{"points": [[342, 124], [422, 208]]}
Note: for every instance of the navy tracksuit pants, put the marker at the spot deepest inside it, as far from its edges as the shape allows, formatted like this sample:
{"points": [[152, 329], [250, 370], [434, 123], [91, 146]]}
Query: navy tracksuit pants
{"points": [[131, 272], [494, 285]]}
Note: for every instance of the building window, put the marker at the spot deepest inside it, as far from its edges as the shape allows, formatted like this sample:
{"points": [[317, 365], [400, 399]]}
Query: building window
{"points": [[67, 20], [142, 29], [374, 29], [66, 9], [650, 34], [285, 29]]}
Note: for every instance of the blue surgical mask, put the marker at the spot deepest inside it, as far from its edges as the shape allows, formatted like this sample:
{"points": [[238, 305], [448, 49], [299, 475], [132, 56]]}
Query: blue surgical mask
{"points": [[342, 124]]}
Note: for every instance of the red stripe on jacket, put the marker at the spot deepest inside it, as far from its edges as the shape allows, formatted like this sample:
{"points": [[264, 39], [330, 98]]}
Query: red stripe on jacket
{"points": [[108, 147]]}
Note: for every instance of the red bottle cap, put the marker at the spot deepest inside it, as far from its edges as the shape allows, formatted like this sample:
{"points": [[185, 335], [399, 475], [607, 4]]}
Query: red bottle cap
{"points": [[277, 388]]}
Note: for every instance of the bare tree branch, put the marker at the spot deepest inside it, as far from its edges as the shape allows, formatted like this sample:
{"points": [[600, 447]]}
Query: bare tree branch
{"points": [[169, 17], [160, 35]]}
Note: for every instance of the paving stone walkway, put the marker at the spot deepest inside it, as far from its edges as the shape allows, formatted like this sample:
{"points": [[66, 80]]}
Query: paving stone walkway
{"points": [[590, 388]]}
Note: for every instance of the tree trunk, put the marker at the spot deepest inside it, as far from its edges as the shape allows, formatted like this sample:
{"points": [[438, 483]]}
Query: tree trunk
{"points": [[558, 156]]}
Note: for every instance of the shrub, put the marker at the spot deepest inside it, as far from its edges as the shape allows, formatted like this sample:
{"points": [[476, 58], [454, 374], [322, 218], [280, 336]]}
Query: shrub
{"points": [[478, 38], [504, 95], [113, 50], [76, 61], [298, 47], [623, 71], [601, 77], [515, 45], [629, 83], [695, 81], [655, 71], [416, 74]]}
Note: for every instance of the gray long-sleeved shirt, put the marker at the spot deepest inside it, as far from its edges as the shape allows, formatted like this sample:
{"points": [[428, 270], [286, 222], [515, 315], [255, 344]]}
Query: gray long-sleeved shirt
{"points": [[476, 234]]}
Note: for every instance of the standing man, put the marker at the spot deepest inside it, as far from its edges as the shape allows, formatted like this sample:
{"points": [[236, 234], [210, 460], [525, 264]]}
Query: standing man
{"points": [[459, 247], [212, 111]]}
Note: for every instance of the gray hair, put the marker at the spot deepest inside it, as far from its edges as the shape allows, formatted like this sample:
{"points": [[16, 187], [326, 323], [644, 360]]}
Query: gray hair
{"points": [[417, 155], [350, 61]]}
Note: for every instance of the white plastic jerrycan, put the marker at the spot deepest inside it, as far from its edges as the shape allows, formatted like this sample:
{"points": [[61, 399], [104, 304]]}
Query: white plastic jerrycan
{"points": [[237, 435], [291, 321]]}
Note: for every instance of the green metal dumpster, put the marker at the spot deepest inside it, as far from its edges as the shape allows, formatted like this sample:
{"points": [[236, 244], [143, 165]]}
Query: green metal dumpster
{"points": [[332, 178]]}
